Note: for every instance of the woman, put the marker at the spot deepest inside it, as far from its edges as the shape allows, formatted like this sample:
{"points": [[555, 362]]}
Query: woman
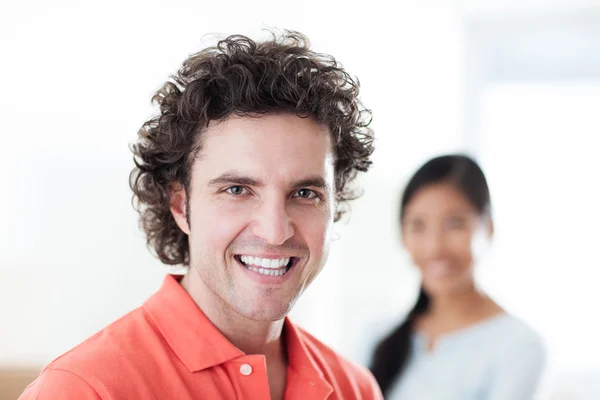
{"points": [[456, 342]]}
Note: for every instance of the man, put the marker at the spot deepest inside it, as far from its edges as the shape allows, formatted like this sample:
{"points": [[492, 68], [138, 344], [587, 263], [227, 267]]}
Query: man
{"points": [[240, 177]]}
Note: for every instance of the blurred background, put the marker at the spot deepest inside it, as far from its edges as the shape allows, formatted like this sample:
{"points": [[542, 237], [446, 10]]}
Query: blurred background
{"points": [[514, 83]]}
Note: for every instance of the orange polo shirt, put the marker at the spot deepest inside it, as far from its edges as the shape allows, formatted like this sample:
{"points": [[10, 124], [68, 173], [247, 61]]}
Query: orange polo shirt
{"points": [[168, 349]]}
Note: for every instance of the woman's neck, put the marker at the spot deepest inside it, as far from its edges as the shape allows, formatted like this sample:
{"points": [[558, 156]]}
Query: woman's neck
{"points": [[469, 306]]}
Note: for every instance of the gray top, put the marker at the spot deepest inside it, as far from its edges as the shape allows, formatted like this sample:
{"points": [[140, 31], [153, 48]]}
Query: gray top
{"points": [[499, 358]]}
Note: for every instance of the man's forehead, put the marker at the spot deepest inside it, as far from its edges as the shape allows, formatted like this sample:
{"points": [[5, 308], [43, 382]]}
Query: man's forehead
{"points": [[278, 141], [282, 152], [276, 126]]}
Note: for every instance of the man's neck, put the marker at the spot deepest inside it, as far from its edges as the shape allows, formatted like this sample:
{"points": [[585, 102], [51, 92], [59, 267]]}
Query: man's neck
{"points": [[251, 337]]}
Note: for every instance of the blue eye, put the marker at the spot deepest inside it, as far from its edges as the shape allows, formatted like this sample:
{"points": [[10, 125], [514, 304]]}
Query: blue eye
{"points": [[236, 190], [305, 194]]}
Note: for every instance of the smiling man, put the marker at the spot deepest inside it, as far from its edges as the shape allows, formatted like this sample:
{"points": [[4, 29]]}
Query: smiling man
{"points": [[240, 178]]}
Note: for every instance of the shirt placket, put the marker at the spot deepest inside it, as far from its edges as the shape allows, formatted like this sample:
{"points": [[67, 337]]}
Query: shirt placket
{"points": [[249, 377]]}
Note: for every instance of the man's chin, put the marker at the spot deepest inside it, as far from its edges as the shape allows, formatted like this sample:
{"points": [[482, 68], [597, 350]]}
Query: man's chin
{"points": [[266, 312]]}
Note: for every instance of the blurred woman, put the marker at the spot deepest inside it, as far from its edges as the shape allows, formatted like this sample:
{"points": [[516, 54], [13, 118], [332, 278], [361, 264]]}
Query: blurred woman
{"points": [[456, 342]]}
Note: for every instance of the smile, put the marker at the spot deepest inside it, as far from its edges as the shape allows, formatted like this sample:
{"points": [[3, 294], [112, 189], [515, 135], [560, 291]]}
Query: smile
{"points": [[266, 266]]}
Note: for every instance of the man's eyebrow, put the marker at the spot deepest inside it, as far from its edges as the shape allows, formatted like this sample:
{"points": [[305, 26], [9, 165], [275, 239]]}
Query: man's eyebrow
{"points": [[234, 178], [313, 181]]}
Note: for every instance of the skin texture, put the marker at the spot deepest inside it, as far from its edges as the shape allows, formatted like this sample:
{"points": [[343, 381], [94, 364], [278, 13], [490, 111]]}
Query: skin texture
{"points": [[440, 229], [262, 187]]}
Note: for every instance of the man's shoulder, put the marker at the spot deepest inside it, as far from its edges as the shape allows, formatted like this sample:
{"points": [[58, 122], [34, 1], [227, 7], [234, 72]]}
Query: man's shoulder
{"points": [[339, 370], [124, 348], [120, 340]]}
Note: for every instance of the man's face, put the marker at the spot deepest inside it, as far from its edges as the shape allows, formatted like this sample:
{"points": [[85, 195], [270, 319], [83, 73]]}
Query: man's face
{"points": [[261, 204]]}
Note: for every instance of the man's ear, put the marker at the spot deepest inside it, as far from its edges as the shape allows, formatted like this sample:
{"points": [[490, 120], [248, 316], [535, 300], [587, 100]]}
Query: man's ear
{"points": [[178, 206]]}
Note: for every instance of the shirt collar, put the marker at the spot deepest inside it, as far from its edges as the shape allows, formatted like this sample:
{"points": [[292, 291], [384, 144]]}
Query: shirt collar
{"points": [[200, 345], [302, 362], [191, 335]]}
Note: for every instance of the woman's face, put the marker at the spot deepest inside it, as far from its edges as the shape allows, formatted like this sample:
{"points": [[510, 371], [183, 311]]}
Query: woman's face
{"points": [[438, 230]]}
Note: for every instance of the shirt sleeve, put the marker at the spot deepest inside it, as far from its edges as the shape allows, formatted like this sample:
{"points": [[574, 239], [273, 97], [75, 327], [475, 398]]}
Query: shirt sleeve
{"points": [[59, 384], [518, 373], [373, 391], [369, 388]]}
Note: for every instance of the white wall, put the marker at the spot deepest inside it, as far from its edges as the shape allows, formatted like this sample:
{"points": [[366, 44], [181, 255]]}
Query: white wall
{"points": [[77, 83]]}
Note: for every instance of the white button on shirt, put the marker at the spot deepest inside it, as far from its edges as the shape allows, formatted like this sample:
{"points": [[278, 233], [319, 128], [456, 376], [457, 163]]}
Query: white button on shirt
{"points": [[246, 369]]}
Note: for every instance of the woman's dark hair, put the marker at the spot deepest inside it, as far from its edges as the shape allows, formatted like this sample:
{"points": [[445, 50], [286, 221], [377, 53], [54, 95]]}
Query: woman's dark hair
{"points": [[392, 352], [242, 77]]}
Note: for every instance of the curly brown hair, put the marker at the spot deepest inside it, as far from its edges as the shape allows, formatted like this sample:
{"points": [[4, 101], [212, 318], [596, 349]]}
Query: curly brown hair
{"points": [[239, 76]]}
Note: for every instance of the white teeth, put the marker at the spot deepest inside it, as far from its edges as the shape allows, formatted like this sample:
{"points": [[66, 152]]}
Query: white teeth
{"points": [[268, 272], [266, 263]]}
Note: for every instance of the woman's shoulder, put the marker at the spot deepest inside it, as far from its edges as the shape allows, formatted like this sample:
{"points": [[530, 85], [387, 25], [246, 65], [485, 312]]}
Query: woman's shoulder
{"points": [[511, 335], [515, 328], [507, 327]]}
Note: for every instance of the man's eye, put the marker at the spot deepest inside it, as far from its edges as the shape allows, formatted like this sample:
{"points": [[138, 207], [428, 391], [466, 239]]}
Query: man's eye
{"points": [[306, 194], [236, 190]]}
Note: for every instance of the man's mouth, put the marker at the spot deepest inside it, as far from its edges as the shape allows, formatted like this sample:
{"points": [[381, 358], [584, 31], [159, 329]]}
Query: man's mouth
{"points": [[267, 266]]}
